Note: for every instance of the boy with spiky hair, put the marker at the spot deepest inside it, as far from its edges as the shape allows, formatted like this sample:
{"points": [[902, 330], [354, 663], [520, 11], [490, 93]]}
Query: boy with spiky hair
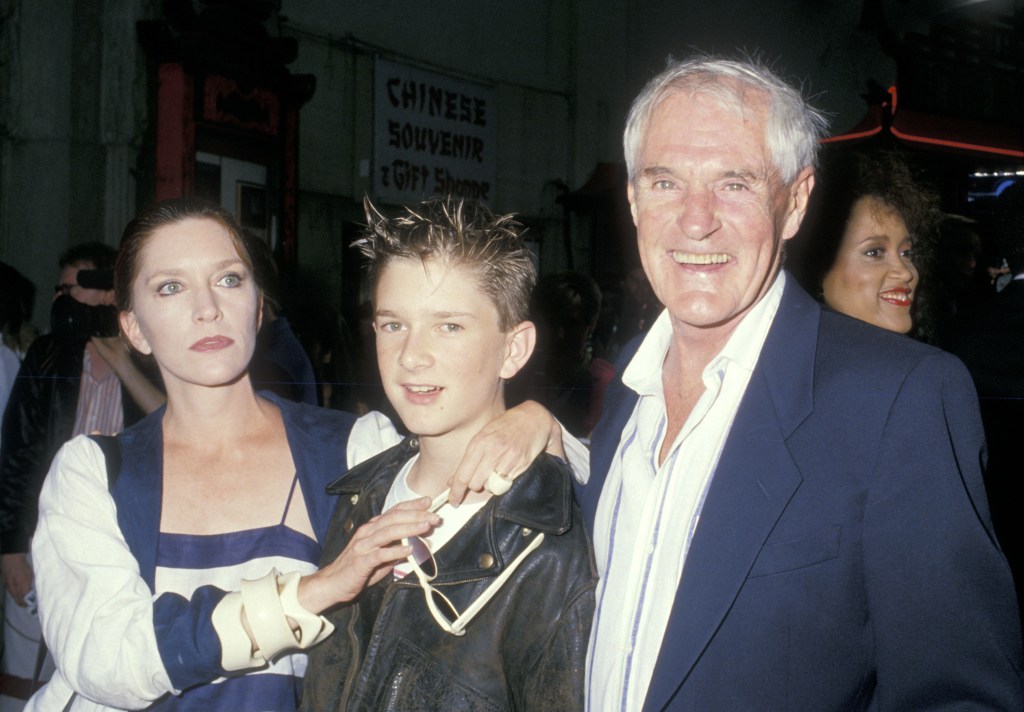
{"points": [[492, 610]]}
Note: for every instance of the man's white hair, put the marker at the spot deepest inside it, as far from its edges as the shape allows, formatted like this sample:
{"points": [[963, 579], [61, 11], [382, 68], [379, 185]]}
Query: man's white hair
{"points": [[793, 127]]}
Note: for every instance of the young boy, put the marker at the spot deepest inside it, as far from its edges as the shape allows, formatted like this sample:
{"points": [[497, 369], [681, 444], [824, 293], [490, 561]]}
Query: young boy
{"points": [[498, 618]]}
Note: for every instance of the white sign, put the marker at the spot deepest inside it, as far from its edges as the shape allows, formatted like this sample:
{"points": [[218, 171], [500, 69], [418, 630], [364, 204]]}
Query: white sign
{"points": [[433, 135]]}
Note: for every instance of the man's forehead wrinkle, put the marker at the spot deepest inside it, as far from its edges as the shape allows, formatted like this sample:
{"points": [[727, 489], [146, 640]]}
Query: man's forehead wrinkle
{"points": [[761, 168]]}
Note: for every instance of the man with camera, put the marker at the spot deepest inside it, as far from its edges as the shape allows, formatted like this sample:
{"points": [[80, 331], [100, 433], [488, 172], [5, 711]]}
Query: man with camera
{"points": [[77, 379]]}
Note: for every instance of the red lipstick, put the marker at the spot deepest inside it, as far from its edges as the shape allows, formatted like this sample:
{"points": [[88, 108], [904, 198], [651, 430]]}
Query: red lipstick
{"points": [[211, 343], [898, 296]]}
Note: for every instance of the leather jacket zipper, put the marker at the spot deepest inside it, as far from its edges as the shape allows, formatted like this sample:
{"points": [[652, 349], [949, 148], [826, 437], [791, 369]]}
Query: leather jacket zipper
{"points": [[353, 668]]}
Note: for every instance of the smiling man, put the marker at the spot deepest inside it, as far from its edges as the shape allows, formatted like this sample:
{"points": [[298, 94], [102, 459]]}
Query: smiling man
{"points": [[787, 504]]}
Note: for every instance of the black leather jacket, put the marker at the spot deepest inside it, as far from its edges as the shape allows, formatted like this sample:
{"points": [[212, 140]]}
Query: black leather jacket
{"points": [[39, 418], [526, 650]]}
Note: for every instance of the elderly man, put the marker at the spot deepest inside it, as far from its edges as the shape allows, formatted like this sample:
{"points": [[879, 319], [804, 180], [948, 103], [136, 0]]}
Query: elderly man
{"points": [[787, 504]]}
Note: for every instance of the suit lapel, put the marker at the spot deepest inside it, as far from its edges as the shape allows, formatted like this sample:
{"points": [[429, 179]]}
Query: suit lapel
{"points": [[753, 482]]}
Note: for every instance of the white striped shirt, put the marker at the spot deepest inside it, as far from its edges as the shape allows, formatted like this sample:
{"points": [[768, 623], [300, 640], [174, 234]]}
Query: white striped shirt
{"points": [[99, 408], [647, 513]]}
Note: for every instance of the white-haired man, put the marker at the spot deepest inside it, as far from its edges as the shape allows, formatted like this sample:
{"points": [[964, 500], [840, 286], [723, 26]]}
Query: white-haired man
{"points": [[787, 504]]}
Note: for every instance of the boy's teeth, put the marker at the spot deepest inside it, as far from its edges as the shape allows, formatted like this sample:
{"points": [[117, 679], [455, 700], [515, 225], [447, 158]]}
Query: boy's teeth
{"points": [[422, 389]]}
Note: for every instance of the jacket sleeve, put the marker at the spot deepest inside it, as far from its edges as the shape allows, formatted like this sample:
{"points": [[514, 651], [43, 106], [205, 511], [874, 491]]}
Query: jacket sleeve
{"points": [[23, 454], [112, 640], [943, 615], [556, 680]]}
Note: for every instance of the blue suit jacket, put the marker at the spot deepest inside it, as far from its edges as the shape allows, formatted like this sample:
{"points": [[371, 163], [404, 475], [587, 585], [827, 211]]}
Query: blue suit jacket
{"points": [[844, 558]]}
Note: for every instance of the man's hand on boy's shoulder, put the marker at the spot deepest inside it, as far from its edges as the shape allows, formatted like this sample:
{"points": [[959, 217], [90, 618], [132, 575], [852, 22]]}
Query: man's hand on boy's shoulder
{"points": [[505, 448]]}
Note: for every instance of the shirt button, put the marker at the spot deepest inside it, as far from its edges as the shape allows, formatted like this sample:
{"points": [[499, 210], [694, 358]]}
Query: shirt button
{"points": [[485, 561], [348, 525], [354, 499]]}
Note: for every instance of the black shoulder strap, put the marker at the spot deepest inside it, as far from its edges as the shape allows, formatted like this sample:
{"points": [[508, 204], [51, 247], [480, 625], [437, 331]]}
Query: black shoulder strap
{"points": [[112, 452]]}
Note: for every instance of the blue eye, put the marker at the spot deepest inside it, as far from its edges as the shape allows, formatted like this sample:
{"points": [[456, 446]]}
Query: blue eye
{"points": [[168, 288], [451, 328], [389, 327], [231, 280], [663, 184]]}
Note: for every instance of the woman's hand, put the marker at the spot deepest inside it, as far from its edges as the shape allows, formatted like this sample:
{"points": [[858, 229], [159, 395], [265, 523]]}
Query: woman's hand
{"points": [[506, 447], [369, 557]]}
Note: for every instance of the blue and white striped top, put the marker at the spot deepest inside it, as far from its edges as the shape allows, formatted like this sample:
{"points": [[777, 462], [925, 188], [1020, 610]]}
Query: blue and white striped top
{"points": [[186, 562]]}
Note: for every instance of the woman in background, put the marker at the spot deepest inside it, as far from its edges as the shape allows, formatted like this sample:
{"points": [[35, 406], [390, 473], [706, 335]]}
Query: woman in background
{"points": [[866, 240]]}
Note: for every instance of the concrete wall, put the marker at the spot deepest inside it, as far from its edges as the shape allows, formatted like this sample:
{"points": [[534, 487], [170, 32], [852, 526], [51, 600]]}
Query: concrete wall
{"points": [[73, 111], [71, 119], [552, 115]]}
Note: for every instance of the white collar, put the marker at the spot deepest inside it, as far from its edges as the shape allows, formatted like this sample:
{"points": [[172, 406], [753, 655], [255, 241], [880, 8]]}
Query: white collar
{"points": [[643, 374]]}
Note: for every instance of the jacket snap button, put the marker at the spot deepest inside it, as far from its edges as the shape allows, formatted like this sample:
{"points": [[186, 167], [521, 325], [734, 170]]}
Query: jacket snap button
{"points": [[355, 499], [414, 443], [349, 524], [527, 531], [486, 561]]}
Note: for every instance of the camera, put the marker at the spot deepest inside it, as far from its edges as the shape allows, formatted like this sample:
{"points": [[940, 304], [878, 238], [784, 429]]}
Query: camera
{"points": [[70, 319]]}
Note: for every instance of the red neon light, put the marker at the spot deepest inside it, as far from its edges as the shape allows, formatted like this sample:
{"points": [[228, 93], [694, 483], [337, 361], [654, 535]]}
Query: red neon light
{"points": [[956, 144], [851, 136]]}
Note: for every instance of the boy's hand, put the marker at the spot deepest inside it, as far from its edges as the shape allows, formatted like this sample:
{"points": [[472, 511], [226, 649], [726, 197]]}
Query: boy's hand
{"points": [[505, 447], [370, 555]]}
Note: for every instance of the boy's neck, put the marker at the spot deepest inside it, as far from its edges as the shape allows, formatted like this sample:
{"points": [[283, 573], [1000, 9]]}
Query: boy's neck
{"points": [[439, 455]]}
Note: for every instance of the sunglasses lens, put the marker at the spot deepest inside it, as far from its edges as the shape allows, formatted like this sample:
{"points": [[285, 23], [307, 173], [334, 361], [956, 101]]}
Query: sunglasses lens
{"points": [[444, 606], [422, 556]]}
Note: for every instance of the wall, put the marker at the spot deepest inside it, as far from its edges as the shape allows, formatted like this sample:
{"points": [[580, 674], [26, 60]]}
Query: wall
{"points": [[552, 112], [73, 100], [71, 120]]}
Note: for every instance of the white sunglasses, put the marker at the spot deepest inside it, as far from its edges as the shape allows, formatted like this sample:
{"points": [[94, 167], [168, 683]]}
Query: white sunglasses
{"points": [[447, 616]]}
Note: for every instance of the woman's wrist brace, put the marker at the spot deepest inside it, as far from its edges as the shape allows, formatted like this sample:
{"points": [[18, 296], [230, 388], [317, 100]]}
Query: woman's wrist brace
{"points": [[277, 622]]}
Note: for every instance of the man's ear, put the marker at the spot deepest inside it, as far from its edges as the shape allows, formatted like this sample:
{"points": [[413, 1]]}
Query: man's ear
{"points": [[520, 343], [631, 197], [796, 208], [133, 332]]}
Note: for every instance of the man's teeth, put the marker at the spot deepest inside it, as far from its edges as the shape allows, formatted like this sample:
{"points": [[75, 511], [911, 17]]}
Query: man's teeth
{"points": [[689, 258], [422, 389]]}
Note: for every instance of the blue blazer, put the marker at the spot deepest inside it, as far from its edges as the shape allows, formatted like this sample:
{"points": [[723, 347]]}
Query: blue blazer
{"points": [[845, 558]]}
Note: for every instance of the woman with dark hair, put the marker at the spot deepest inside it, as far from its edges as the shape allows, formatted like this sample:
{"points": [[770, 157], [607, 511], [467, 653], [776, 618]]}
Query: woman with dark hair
{"points": [[867, 239], [177, 564]]}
